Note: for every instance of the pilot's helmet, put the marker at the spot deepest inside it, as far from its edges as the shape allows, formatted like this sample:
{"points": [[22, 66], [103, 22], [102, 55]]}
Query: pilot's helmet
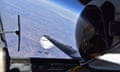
{"points": [[88, 38], [92, 30]]}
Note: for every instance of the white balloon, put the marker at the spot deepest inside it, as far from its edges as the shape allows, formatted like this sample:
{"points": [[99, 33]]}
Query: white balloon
{"points": [[45, 43]]}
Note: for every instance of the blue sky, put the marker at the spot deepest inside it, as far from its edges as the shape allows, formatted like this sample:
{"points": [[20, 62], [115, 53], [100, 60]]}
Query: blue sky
{"points": [[73, 5]]}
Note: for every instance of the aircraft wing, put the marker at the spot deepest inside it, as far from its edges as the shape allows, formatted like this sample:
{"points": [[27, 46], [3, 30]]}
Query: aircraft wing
{"points": [[65, 48]]}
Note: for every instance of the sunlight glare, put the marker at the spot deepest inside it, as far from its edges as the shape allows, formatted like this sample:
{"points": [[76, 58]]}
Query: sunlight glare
{"points": [[110, 57]]}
